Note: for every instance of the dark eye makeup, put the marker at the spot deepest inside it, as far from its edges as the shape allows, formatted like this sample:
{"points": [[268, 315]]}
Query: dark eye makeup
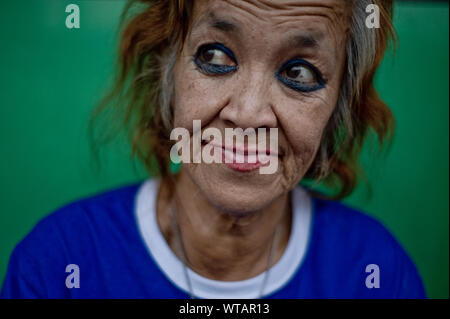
{"points": [[301, 75], [208, 57], [297, 74]]}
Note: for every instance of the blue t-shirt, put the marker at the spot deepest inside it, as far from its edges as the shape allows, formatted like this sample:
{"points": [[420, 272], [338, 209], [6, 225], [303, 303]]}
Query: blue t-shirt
{"points": [[108, 253]]}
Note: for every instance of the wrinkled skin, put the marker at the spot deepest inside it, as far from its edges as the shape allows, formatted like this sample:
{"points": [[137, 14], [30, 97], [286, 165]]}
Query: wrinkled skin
{"points": [[228, 218]]}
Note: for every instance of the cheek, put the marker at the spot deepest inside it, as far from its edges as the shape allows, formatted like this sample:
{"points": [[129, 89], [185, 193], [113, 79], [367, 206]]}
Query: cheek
{"points": [[305, 134], [187, 101], [196, 96], [303, 121]]}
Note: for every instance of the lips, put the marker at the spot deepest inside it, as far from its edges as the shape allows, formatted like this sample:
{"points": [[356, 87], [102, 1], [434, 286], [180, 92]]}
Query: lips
{"points": [[243, 158]]}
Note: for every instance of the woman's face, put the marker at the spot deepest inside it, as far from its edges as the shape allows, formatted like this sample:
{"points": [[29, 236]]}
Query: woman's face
{"points": [[260, 64]]}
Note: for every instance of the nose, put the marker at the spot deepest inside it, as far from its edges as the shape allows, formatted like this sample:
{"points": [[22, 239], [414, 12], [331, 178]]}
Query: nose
{"points": [[250, 104]]}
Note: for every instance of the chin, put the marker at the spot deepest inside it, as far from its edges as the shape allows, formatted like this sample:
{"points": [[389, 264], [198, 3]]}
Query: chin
{"points": [[236, 193]]}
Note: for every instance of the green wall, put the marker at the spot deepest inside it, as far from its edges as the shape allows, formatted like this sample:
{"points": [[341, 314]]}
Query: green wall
{"points": [[52, 76]]}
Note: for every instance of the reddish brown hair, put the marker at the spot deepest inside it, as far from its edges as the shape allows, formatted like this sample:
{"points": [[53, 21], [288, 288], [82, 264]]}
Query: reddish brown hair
{"points": [[151, 32]]}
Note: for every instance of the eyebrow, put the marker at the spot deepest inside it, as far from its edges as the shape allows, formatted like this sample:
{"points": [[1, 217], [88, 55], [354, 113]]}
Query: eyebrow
{"points": [[305, 40], [219, 23], [223, 25], [302, 40]]}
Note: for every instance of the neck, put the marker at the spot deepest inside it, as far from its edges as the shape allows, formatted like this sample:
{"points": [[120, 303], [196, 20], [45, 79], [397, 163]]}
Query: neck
{"points": [[220, 245]]}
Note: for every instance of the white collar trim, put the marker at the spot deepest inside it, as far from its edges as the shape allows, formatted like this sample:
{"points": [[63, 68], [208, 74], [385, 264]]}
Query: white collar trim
{"points": [[203, 287]]}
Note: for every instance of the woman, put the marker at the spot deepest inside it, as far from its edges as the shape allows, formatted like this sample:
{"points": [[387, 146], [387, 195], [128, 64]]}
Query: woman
{"points": [[224, 229]]}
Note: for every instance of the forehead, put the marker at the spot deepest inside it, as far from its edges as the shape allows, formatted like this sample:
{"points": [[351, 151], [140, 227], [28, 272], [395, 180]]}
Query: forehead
{"points": [[321, 17]]}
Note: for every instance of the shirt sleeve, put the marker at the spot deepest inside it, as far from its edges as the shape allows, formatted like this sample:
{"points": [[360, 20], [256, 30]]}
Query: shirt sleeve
{"points": [[31, 270], [22, 281], [409, 285]]}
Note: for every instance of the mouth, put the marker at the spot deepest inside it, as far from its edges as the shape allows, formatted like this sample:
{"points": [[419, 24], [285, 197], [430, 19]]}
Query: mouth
{"points": [[242, 158]]}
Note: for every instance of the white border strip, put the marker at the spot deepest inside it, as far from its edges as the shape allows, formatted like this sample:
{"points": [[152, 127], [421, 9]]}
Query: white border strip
{"points": [[203, 287]]}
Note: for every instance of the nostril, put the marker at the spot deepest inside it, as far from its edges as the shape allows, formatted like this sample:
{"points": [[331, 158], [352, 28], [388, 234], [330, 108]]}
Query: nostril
{"points": [[229, 123]]}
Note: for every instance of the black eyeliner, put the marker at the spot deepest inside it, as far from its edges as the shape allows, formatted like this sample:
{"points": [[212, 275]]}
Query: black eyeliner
{"points": [[214, 69], [321, 82]]}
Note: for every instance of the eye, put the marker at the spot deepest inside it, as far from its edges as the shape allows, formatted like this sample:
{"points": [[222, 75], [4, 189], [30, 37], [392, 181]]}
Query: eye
{"points": [[215, 56], [300, 75], [215, 59]]}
